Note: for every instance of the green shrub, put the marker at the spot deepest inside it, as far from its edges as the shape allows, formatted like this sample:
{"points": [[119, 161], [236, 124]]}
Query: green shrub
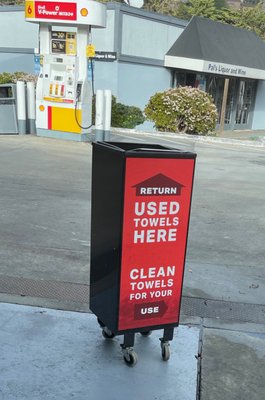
{"points": [[183, 109], [7, 77], [122, 116], [126, 116]]}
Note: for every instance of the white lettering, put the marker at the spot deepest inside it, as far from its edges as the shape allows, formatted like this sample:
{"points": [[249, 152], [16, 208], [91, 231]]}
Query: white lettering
{"points": [[139, 237], [161, 293], [158, 190], [151, 208], [137, 296], [137, 210], [134, 274], [152, 272], [149, 310], [174, 207], [160, 208], [153, 236], [161, 235]]}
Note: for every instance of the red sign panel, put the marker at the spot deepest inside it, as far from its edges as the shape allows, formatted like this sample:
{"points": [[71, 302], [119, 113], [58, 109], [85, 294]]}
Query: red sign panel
{"points": [[55, 10], [155, 224]]}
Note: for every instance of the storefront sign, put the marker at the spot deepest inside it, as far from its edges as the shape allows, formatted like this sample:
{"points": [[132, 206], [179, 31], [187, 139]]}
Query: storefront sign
{"points": [[225, 69], [105, 56], [156, 215], [212, 67]]}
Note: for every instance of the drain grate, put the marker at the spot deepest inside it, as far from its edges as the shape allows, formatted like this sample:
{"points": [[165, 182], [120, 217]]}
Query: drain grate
{"points": [[224, 310], [79, 293], [44, 289]]}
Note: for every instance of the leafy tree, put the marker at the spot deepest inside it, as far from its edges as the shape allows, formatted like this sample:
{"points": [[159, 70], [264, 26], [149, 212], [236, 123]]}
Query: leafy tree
{"points": [[204, 8], [164, 7], [251, 18], [219, 4], [11, 3], [251, 2], [185, 9]]}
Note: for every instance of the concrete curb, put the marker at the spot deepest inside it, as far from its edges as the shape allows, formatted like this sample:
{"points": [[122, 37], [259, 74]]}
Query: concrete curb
{"points": [[257, 142]]}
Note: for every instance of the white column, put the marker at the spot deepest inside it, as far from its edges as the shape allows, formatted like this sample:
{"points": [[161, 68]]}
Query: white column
{"points": [[99, 118], [31, 107], [21, 107], [107, 114]]}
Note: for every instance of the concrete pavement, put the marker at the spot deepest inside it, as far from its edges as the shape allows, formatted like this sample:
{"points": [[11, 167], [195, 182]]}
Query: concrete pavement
{"points": [[44, 250], [53, 354], [61, 355]]}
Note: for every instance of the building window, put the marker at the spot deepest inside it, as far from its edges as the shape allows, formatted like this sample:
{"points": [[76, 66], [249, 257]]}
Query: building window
{"points": [[246, 94], [240, 99]]}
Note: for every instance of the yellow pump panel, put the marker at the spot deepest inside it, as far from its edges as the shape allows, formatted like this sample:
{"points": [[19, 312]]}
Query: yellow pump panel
{"points": [[64, 119]]}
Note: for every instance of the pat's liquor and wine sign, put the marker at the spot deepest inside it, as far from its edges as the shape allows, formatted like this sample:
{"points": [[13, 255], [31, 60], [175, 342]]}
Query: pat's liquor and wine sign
{"points": [[157, 197]]}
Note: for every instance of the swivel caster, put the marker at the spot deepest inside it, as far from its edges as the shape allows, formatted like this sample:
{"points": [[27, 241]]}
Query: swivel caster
{"points": [[106, 333], [129, 356], [165, 352]]}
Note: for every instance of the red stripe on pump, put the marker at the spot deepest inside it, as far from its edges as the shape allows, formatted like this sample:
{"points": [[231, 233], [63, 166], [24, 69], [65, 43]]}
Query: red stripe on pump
{"points": [[49, 117]]}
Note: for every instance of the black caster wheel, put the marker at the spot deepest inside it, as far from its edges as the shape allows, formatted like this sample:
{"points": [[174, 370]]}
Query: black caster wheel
{"points": [[130, 358], [107, 334], [146, 333], [165, 352]]}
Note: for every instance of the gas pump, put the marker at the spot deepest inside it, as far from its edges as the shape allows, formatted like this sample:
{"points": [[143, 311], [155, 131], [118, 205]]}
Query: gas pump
{"points": [[64, 92]]}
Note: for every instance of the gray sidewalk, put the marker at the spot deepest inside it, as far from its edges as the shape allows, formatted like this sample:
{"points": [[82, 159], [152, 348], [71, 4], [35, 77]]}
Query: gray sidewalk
{"points": [[52, 355], [61, 355]]}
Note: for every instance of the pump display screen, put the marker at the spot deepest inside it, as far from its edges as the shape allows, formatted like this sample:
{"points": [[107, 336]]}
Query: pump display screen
{"points": [[58, 78], [58, 35], [58, 46], [63, 42]]}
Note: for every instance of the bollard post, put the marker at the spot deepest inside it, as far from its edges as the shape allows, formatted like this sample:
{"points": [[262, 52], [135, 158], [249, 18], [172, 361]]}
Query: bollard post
{"points": [[21, 108], [107, 114], [31, 107], [99, 115]]}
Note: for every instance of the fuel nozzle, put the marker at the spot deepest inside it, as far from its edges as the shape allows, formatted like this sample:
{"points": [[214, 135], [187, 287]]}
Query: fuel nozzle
{"points": [[78, 91]]}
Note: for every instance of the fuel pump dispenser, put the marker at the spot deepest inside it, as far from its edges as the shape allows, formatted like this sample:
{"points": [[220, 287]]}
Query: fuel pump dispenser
{"points": [[64, 92]]}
